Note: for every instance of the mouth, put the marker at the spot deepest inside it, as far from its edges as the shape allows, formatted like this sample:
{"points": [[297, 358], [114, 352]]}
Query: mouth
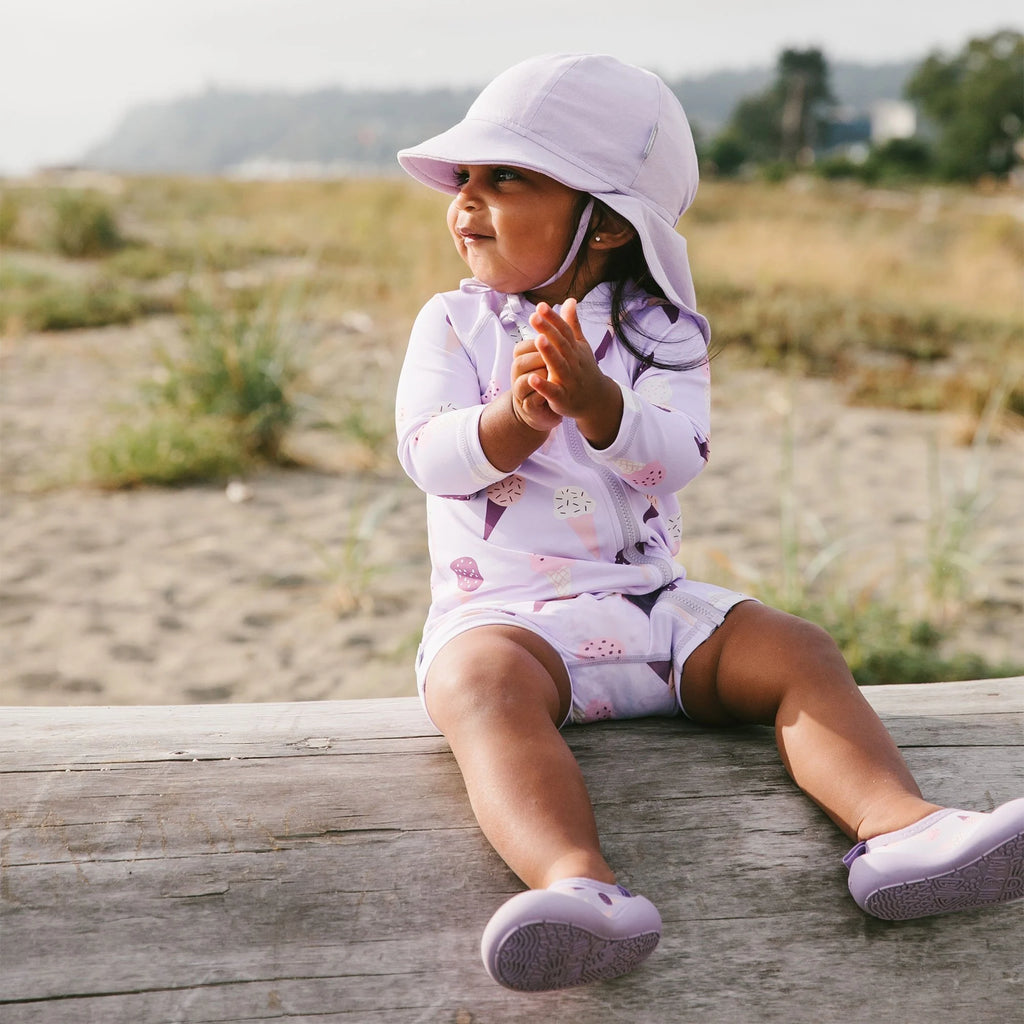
{"points": [[469, 237]]}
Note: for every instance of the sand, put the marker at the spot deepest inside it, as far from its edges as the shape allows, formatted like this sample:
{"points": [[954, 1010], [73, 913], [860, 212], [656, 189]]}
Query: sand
{"points": [[311, 583]]}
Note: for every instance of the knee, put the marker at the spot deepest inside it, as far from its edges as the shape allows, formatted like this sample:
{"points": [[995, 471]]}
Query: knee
{"points": [[475, 679], [768, 657], [809, 640], [459, 683]]}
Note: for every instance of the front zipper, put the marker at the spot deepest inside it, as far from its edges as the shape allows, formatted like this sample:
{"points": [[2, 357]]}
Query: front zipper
{"points": [[629, 528]]}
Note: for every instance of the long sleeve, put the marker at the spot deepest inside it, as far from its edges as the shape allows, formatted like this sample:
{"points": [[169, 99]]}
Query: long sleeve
{"points": [[663, 438], [438, 410]]}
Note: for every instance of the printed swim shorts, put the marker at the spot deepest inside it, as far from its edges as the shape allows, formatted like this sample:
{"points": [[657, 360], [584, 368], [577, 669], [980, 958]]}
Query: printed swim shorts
{"points": [[624, 653]]}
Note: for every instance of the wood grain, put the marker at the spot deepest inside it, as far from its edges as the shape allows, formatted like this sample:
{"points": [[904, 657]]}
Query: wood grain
{"points": [[320, 862]]}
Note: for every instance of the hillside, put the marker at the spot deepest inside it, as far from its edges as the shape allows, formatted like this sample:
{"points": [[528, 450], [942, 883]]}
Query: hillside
{"points": [[345, 130]]}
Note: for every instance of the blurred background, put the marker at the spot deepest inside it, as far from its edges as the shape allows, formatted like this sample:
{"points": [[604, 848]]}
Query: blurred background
{"points": [[209, 262]]}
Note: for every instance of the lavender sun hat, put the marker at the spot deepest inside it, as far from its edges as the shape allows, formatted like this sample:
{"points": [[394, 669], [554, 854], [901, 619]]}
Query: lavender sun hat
{"points": [[596, 125]]}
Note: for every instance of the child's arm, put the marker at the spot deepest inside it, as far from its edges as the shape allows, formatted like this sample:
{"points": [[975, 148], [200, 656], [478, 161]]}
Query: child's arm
{"points": [[450, 442]]}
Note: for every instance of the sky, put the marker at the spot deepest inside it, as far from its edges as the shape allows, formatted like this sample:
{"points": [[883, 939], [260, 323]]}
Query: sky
{"points": [[70, 69]]}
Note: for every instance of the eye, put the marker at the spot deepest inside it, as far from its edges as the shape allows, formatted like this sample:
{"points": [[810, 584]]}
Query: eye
{"points": [[502, 175], [460, 176]]}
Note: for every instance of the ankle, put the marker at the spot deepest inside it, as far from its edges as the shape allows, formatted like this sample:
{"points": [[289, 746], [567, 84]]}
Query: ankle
{"points": [[579, 865], [893, 816]]}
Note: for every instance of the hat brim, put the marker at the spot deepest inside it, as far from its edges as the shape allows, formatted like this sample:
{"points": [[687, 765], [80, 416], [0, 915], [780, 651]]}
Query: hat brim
{"points": [[476, 141]]}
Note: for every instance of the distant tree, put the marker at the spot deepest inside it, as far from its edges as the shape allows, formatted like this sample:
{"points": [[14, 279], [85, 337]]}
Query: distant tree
{"points": [[900, 158], [976, 102], [803, 84], [726, 155], [756, 126], [785, 121]]}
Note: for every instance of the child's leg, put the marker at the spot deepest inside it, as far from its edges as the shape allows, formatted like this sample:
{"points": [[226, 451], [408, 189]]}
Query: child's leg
{"points": [[767, 667], [498, 694]]}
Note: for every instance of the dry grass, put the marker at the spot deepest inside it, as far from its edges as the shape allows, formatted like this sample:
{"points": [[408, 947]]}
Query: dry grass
{"points": [[946, 249]]}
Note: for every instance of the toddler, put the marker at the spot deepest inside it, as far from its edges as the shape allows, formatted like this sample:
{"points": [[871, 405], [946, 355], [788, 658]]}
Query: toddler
{"points": [[550, 409]]}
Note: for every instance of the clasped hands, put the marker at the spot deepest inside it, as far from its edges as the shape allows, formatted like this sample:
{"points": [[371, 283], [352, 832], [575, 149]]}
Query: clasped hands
{"points": [[555, 374]]}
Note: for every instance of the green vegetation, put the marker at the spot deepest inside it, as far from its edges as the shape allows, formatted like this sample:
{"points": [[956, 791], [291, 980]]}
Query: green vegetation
{"points": [[238, 366], [217, 407], [976, 101], [882, 644], [169, 449], [84, 225], [36, 301], [899, 630], [9, 212], [972, 104]]}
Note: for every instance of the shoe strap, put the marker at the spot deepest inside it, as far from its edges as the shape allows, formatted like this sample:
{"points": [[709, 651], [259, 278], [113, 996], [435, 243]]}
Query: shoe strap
{"points": [[855, 852]]}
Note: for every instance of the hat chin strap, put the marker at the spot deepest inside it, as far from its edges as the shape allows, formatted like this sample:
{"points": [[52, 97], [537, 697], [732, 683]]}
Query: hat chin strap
{"points": [[574, 249]]}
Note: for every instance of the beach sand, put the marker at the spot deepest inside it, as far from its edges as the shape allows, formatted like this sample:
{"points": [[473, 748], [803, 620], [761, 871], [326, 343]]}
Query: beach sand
{"points": [[312, 583]]}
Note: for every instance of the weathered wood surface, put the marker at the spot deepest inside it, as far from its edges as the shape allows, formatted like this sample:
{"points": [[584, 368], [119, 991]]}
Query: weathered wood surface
{"points": [[319, 862]]}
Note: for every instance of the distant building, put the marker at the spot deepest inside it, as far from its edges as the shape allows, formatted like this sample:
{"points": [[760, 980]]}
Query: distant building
{"points": [[852, 133], [892, 119]]}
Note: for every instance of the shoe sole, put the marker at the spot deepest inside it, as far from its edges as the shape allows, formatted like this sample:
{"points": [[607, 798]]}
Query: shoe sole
{"points": [[994, 877], [543, 955]]}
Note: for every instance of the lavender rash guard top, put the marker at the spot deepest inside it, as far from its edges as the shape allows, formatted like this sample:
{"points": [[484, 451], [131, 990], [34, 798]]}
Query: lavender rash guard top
{"points": [[571, 519]]}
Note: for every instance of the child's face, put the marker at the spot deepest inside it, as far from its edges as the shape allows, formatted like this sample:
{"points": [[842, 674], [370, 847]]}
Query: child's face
{"points": [[513, 228]]}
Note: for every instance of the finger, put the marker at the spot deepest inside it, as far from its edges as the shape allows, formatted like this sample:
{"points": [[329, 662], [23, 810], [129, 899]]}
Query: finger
{"points": [[554, 357], [548, 390], [570, 313], [524, 346], [543, 417], [522, 388], [530, 360], [546, 322]]}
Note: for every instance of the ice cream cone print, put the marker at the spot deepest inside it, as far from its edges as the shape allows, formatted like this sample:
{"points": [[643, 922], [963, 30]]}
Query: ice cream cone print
{"points": [[557, 570], [600, 647], [576, 508], [656, 391], [586, 529], [675, 533], [500, 496], [606, 343], [596, 711]]}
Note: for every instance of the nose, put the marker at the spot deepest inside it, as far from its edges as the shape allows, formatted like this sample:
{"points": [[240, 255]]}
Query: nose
{"points": [[465, 199]]}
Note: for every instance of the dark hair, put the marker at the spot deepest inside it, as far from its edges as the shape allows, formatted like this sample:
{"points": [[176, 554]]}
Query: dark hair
{"points": [[626, 267]]}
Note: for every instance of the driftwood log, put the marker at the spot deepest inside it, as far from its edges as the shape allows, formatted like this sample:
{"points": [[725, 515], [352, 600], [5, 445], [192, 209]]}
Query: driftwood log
{"points": [[319, 862]]}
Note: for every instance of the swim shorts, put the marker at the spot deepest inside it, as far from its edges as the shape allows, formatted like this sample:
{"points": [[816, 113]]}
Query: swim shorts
{"points": [[624, 653]]}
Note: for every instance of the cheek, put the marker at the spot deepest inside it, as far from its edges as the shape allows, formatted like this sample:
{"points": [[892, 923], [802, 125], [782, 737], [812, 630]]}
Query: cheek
{"points": [[450, 220]]}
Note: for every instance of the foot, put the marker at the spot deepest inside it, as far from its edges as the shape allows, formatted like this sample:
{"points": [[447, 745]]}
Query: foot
{"points": [[575, 931], [950, 860]]}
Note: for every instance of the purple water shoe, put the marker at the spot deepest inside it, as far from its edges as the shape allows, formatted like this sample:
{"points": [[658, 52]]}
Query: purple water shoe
{"points": [[574, 932], [951, 860]]}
